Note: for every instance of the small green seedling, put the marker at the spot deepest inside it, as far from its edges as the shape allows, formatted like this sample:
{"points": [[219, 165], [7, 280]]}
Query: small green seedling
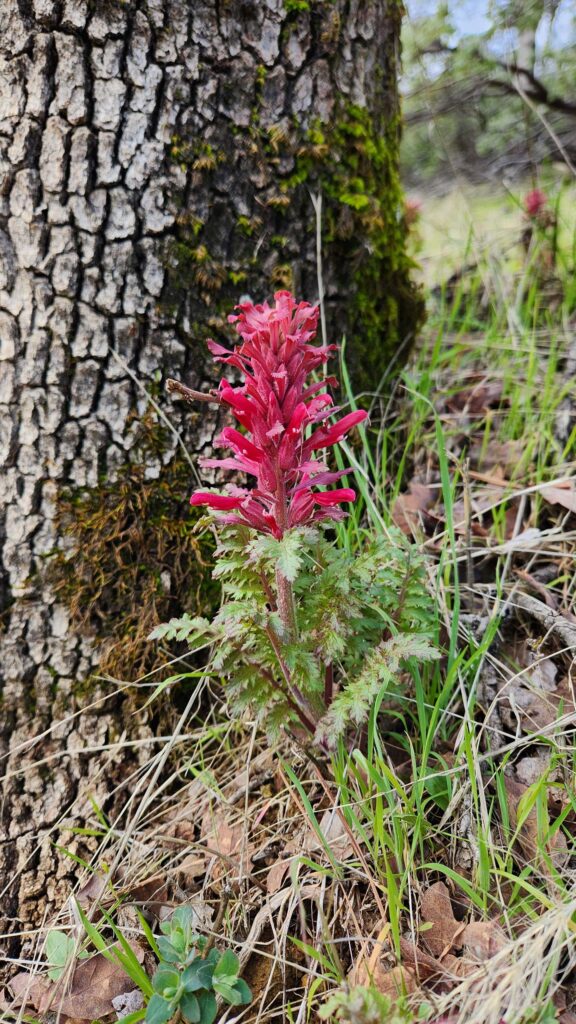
{"points": [[190, 975], [60, 949]]}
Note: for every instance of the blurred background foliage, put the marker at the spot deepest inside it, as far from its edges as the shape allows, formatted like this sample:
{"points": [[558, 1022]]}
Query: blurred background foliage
{"points": [[489, 98]]}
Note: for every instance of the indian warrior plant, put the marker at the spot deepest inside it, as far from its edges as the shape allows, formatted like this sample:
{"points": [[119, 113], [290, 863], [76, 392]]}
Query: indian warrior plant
{"points": [[307, 635]]}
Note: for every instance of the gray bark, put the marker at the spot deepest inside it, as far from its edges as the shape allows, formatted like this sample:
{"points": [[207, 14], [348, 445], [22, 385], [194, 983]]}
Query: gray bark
{"points": [[137, 202]]}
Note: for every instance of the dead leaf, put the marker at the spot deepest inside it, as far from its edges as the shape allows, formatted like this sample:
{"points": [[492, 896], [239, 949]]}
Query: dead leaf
{"points": [[483, 939], [408, 508], [29, 990], [424, 965], [335, 833], [151, 891], [277, 874], [557, 846], [436, 909], [225, 841], [504, 455], [547, 596], [561, 494], [392, 981], [220, 835], [399, 981], [87, 996], [459, 966], [94, 889], [190, 869], [532, 697], [476, 399]]}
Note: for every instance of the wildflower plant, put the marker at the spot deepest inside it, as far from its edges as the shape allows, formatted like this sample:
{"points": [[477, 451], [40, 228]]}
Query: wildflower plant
{"points": [[307, 634], [191, 975]]}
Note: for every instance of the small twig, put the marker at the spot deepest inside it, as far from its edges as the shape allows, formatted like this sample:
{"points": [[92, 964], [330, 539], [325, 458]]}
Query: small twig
{"points": [[175, 387], [552, 621], [224, 901]]}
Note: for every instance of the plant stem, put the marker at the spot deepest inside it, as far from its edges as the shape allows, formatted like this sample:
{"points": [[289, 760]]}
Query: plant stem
{"points": [[286, 607], [224, 901], [296, 698], [328, 684]]}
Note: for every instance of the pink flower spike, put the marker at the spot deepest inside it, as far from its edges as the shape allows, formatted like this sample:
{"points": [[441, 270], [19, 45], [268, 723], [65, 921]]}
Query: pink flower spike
{"points": [[326, 498], [276, 404], [219, 502]]}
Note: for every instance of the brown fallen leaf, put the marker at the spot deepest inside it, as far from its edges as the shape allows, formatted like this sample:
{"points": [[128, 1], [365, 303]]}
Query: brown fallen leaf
{"points": [[396, 982], [29, 990], [458, 966], [504, 455], [225, 841], [436, 909], [483, 939], [88, 994], [423, 964], [540, 588], [408, 508], [561, 494], [392, 981], [94, 890], [335, 833], [190, 869], [476, 399], [220, 834], [150, 891], [276, 875], [532, 698]]}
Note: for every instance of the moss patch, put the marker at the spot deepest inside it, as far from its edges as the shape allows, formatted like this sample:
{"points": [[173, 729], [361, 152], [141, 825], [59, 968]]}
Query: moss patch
{"points": [[364, 232], [133, 558]]}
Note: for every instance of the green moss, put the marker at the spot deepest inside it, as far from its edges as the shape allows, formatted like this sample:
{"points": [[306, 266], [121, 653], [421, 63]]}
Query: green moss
{"points": [[133, 559], [355, 165]]}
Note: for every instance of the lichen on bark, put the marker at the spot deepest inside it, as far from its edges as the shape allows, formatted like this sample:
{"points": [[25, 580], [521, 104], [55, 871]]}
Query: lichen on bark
{"points": [[132, 557]]}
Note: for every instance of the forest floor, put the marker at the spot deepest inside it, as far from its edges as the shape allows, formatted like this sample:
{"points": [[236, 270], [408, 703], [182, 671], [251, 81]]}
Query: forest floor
{"points": [[435, 865]]}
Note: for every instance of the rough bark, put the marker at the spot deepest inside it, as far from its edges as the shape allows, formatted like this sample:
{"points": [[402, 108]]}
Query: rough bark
{"points": [[155, 161]]}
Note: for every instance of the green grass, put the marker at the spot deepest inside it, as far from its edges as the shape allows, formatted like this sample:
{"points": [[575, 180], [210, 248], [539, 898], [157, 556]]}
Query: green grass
{"points": [[482, 223], [411, 822]]}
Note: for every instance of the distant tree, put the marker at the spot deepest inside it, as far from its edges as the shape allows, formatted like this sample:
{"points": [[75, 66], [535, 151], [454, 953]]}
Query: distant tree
{"points": [[472, 100]]}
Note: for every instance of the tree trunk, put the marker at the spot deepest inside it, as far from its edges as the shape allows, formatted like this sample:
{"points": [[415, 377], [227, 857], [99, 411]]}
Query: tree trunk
{"points": [[156, 162]]}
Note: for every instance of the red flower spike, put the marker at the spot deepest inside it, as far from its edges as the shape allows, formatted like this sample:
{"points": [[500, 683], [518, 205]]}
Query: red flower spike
{"points": [[277, 406]]}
